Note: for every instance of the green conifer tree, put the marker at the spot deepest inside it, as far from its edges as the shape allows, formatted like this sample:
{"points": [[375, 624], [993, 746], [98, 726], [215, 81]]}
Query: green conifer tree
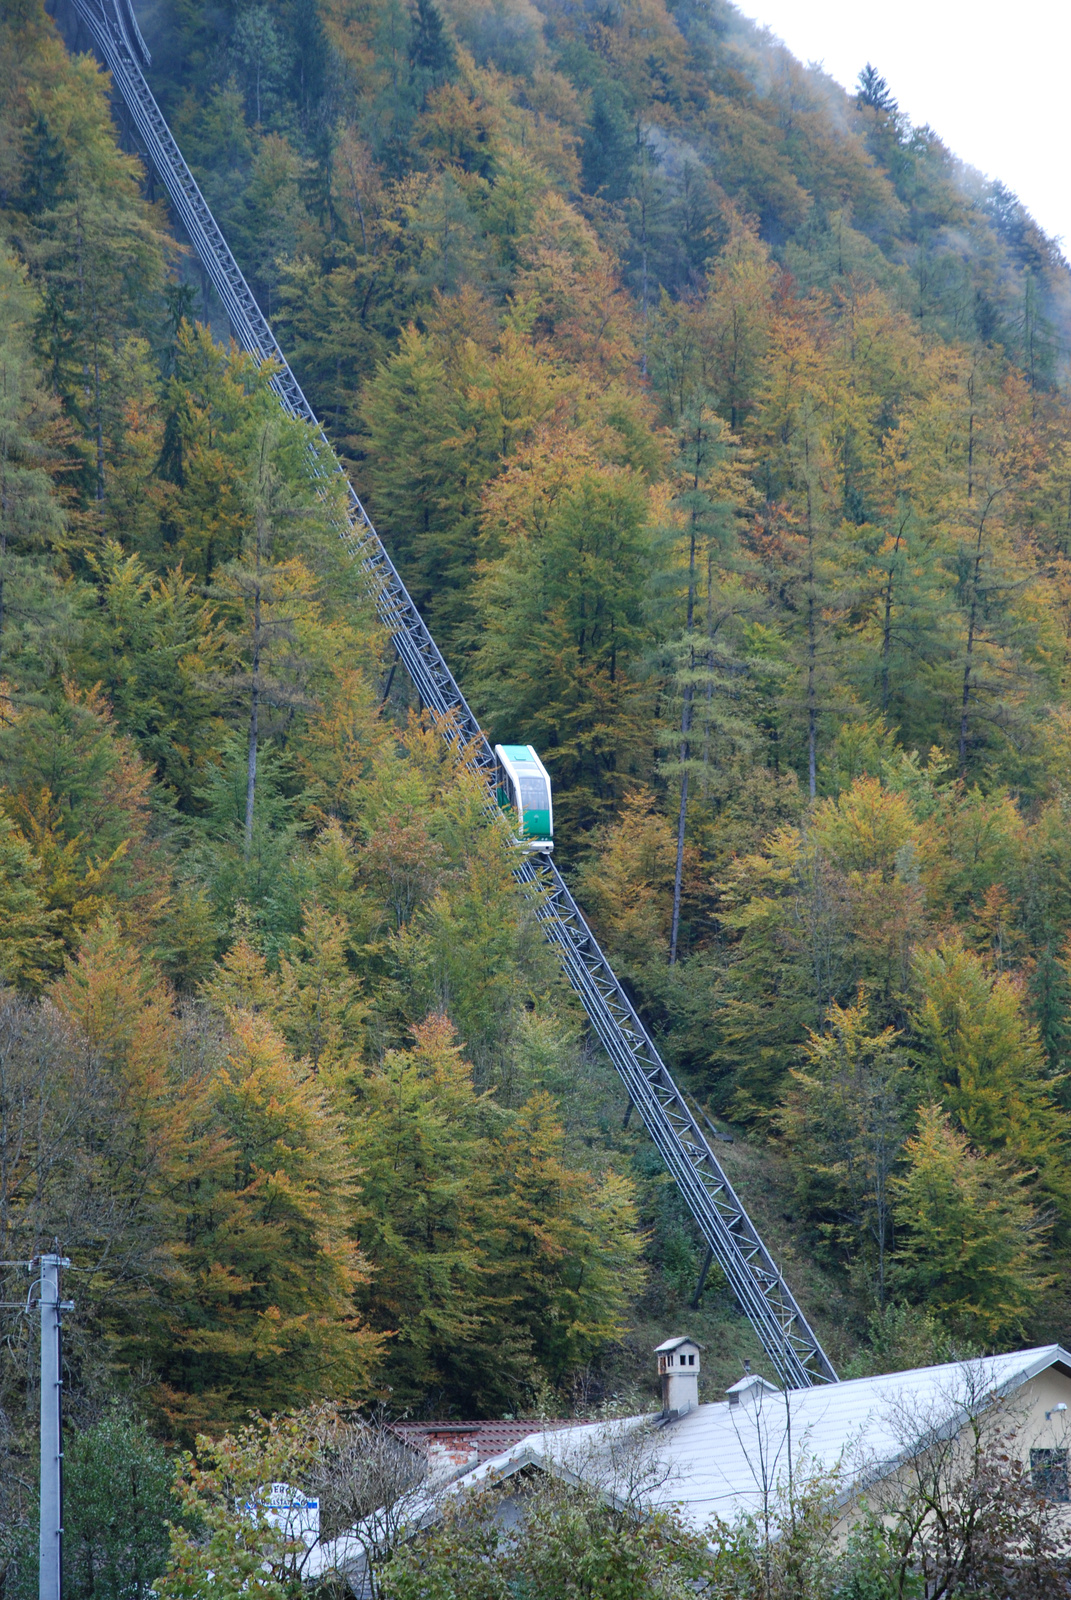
{"points": [[34, 612], [970, 1242], [260, 1311], [985, 1062], [566, 625], [844, 1122], [420, 1137]]}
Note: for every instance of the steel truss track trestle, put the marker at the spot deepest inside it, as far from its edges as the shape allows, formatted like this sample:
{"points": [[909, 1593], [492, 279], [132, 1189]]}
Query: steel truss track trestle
{"points": [[751, 1272]]}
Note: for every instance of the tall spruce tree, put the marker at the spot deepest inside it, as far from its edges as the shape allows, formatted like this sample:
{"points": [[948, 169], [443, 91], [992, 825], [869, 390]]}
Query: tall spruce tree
{"points": [[970, 1241], [566, 623], [33, 608], [261, 1308]]}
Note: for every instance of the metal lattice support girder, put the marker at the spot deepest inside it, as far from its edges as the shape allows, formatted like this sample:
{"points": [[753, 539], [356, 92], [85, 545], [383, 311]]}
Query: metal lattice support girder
{"points": [[749, 1268]]}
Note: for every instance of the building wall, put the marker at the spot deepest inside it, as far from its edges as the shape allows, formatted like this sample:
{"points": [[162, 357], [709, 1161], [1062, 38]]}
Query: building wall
{"points": [[1022, 1412]]}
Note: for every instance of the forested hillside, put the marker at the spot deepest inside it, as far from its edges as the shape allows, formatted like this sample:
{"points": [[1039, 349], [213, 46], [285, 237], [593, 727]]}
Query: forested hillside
{"points": [[716, 420]]}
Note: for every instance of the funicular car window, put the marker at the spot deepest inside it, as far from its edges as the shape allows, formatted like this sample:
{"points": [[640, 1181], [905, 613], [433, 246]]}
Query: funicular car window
{"points": [[533, 794]]}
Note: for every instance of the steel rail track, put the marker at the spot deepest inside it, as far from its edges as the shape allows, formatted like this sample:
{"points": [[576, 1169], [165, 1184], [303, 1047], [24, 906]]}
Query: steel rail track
{"points": [[732, 1238]]}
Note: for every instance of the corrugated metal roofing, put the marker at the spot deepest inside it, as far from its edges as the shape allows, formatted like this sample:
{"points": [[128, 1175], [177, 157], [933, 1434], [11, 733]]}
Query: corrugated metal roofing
{"points": [[722, 1461]]}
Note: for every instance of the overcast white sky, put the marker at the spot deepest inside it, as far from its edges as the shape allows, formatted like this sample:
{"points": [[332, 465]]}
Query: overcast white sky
{"points": [[994, 81]]}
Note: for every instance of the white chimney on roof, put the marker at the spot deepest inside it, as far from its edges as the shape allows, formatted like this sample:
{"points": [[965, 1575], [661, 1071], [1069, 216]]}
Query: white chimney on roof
{"points": [[678, 1367], [750, 1390]]}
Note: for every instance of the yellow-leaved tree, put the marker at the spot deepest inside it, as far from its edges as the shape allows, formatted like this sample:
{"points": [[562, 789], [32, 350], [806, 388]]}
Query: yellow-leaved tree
{"points": [[260, 1309]]}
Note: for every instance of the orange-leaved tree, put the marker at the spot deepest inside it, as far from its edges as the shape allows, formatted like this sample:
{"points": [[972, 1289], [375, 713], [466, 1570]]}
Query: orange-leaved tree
{"points": [[260, 1312]]}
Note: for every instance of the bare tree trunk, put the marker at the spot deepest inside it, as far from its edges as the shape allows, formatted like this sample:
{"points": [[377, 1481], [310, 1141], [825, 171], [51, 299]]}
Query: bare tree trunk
{"points": [[812, 645], [968, 665], [963, 719], [251, 766], [686, 723], [812, 708], [886, 632], [678, 874], [254, 698], [100, 424], [643, 365], [886, 645], [3, 575]]}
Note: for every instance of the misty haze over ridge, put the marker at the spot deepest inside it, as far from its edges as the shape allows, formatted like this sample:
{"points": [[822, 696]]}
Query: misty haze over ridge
{"points": [[779, 141]]}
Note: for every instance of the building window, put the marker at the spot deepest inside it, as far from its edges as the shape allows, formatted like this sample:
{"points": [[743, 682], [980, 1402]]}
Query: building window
{"points": [[1048, 1474], [691, 1361]]}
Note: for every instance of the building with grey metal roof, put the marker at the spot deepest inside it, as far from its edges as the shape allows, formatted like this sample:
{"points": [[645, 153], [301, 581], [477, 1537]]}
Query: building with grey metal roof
{"points": [[745, 1455], [729, 1458]]}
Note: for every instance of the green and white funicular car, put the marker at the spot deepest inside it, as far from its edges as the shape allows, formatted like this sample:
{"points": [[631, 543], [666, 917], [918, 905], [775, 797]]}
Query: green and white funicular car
{"points": [[523, 784]]}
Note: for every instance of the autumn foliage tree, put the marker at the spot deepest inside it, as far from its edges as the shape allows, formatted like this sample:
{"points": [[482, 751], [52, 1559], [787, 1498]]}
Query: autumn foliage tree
{"points": [[972, 1243], [717, 427], [492, 1256], [266, 1268]]}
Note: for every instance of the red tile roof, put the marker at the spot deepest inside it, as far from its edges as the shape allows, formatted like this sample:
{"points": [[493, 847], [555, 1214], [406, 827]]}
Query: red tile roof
{"points": [[489, 1438]]}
